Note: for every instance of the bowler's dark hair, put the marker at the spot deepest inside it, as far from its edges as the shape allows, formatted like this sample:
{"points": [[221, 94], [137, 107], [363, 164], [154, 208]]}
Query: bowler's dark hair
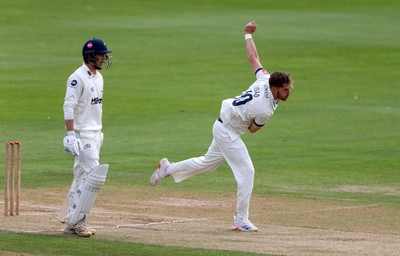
{"points": [[278, 79]]}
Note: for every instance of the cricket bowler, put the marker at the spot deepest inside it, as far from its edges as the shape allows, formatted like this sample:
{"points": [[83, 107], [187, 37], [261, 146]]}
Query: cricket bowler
{"points": [[247, 112]]}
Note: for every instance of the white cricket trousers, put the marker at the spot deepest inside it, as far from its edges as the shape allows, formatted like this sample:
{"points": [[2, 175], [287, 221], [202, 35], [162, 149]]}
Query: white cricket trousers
{"points": [[87, 160], [226, 145]]}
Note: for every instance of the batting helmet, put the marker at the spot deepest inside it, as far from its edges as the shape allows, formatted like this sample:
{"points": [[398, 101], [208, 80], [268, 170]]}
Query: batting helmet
{"points": [[95, 46], [92, 48]]}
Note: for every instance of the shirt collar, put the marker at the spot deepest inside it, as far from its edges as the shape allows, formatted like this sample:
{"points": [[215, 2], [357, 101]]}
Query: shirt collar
{"points": [[87, 71]]}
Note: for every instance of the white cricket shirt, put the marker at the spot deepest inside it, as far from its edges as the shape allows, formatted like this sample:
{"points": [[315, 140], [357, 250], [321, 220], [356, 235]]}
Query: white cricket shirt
{"points": [[256, 104], [83, 99]]}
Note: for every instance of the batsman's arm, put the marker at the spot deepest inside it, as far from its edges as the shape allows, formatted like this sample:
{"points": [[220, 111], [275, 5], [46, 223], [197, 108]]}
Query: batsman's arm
{"points": [[69, 116], [72, 94], [69, 125], [251, 49]]}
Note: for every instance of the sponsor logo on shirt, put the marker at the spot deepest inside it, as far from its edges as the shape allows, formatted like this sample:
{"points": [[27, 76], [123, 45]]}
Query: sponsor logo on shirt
{"points": [[96, 100], [74, 83]]}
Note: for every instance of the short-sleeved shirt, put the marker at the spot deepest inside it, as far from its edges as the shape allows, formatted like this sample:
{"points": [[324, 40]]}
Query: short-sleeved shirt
{"points": [[256, 104]]}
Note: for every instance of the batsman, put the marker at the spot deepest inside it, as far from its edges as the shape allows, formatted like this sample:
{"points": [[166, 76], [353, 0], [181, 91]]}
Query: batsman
{"points": [[83, 121]]}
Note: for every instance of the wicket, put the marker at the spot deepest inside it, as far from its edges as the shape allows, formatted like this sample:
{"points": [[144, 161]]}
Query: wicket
{"points": [[12, 177]]}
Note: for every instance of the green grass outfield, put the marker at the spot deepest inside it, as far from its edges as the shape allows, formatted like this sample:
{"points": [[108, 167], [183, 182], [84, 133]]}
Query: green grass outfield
{"points": [[173, 63]]}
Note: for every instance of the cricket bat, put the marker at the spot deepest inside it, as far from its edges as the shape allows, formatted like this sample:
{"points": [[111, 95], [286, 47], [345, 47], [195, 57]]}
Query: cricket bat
{"points": [[62, 213]]}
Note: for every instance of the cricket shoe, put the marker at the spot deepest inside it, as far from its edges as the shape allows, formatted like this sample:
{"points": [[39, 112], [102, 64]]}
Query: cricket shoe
{"points": [[81, 230], [241, 224], [161, 172]]}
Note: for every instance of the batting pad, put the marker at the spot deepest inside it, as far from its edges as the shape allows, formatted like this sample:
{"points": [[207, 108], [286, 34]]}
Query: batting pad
{"points": [[88, 192]]}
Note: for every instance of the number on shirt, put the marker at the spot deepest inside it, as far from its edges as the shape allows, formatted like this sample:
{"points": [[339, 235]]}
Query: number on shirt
{"points": [[243, 99]]}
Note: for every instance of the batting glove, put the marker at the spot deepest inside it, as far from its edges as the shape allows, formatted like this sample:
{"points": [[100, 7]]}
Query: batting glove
{"points": [[72, 144]]}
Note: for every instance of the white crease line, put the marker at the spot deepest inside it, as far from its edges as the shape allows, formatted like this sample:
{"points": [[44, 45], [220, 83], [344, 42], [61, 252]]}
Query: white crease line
{"points": [[38, 206], [58, 208], [343, 208], [101, 212], [37, 214], [118, 213], [155, 223], [33, 231], [105, 212], [135, 214], [29, 213], [329, 209]]}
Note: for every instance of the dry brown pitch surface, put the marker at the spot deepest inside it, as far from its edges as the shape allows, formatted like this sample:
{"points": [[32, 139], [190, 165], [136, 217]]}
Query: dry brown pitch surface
{"points": [[287, 227]]}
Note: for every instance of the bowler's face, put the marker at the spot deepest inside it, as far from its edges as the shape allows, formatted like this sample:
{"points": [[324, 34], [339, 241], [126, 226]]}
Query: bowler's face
{"points": [[283, 92]]}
